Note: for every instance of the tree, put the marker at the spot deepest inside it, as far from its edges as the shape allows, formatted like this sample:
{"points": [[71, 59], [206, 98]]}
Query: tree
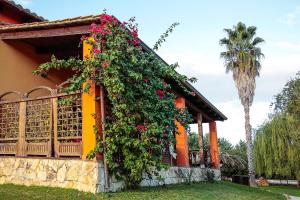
{"points": [[277, 142], [233, 158], [242, 57], [193, 141], [240, 149]]}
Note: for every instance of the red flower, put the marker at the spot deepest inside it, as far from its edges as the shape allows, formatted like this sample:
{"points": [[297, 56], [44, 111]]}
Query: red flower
{"points": [[134, 34], [160, 93], [141, 127], [107, 18], [146, 80], [96, 51], [93, 27]]}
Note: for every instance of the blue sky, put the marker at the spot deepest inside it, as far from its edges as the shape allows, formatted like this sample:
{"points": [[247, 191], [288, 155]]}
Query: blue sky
{"points": [[194, 44]]}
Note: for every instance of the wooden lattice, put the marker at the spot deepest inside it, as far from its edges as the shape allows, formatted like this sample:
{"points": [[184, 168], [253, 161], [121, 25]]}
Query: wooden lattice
{"points": [[69, 122], [69, 126], [44, 126], [38, 120], [9, 122]]}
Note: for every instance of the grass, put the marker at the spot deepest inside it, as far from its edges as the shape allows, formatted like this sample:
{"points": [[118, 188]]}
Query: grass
{"points": [[290, 190], [221, 190]]}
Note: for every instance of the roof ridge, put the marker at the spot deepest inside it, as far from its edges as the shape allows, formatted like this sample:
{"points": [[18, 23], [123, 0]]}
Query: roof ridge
{"points": [[47, 24], [25, 10]]}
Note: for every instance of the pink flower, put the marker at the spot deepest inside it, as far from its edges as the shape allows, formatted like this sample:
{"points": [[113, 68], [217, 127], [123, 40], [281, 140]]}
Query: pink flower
{"points": [[160, 93], [141, 127], [93, 27], [96, 51]]}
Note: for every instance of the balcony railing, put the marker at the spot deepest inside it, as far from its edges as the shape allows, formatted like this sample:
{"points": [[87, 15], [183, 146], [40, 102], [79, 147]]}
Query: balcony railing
{"points": [[194, 158], [49, 125]]}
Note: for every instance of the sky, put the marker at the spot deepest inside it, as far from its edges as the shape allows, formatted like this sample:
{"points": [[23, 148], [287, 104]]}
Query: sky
{"points": [[195, 44]]}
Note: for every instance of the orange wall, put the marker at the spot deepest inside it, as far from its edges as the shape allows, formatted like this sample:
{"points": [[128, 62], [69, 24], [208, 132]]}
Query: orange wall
{"points": [[17, 62]]}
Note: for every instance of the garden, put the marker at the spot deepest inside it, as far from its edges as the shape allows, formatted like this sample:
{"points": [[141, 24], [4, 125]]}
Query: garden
{"points": [[205, 191]]}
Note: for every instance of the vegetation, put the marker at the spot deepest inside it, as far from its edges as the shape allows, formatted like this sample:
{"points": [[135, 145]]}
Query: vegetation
{"points": [[205, 191], [140, 123], [277, 141], [242, 57], [233, 157]]}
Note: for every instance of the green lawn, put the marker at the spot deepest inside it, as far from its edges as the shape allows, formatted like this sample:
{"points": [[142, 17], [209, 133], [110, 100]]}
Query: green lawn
{"points": [[221, 190], [290, 190]]}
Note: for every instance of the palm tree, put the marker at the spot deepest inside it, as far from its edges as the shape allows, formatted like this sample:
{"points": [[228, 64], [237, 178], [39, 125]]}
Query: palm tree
{"points": [[242, 58]]}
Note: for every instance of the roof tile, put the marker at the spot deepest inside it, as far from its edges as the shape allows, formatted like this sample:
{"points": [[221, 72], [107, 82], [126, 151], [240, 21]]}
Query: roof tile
{"points": [[18, 6], [81, 20]]}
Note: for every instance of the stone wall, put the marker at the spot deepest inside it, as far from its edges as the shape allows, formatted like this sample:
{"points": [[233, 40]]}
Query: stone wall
{"points": [[75, 174], [87, 176], [173, 175]]}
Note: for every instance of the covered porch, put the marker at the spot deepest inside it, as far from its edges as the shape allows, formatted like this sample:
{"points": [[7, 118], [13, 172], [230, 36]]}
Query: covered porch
{"points": [[43, 123]]}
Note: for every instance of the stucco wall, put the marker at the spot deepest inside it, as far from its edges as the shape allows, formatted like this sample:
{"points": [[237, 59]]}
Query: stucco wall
{"points": [[17, 62]]}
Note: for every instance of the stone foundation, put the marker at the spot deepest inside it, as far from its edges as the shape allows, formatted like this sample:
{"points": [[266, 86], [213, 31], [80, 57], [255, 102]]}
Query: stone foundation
{"points": [[87, 176], [75, 174]]}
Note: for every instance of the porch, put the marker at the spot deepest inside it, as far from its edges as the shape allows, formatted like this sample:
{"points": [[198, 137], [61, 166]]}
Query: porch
{"points": [[49, 134], [41, 126], [45, 122]]}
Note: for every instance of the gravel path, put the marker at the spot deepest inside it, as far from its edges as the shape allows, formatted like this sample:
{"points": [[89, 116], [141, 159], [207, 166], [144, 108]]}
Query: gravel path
{"points": [[294, 198]]}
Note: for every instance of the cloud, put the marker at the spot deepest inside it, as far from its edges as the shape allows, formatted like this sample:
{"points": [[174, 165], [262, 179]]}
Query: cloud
{"points": [[289, 45], [233, 128], [281, 64], [292, 17], [196, 62], [23, 2]]}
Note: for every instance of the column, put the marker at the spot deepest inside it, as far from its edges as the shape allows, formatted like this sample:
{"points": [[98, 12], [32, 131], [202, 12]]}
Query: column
{"points": [[200, 137], [214, 149], [182, 148], [91, 120]]}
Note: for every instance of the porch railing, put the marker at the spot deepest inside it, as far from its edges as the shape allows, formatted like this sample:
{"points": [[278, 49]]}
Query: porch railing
{"points": [[49, 125], [194, 158]]}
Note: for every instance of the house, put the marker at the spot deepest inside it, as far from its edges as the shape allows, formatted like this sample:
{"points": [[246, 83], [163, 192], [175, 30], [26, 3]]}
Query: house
{"points": [[43, 142]]}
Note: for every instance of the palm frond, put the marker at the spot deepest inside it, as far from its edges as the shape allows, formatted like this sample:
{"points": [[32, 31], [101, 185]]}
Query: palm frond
{"points": [[257, 41]]}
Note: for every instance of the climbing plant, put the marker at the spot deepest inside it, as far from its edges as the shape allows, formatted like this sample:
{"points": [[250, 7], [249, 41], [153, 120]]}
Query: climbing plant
{"points": [[141, 114]]}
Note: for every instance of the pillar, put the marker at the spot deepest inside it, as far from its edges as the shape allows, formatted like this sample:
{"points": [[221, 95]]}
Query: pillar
{"points": [[90, 111], [214, 149], [200, 139], [182, 148]]}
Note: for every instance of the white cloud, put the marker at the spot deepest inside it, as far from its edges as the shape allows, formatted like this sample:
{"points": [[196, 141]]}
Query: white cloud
{"points": [[23, 2], [233, 128], [293, 46], [292, 17], [196, 62], [281, 64]]}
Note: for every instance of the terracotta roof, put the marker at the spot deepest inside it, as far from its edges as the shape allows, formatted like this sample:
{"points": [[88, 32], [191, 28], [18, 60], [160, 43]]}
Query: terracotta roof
{"points": [[87, 20], [3, 23], [82, 20], [24, 10]]}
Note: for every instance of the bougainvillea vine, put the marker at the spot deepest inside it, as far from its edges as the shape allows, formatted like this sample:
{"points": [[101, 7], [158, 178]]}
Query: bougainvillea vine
{"points": [[140, 123]]}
